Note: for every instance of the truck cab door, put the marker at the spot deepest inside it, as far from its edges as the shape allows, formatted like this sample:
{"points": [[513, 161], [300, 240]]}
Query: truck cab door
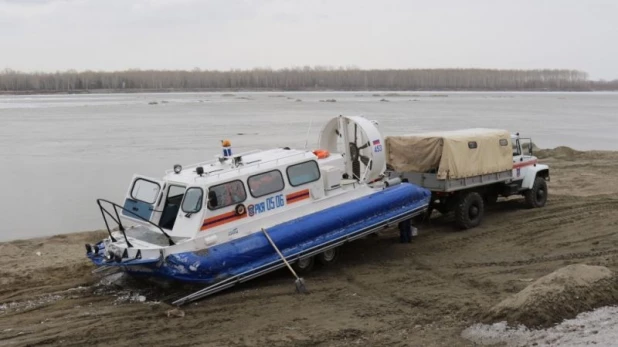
{"points": [[526, 144], [517, 154], [143, 196], [517, 158]]}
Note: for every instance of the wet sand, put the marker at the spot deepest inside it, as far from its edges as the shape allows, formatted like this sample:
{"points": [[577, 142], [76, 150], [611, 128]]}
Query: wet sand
{"points": [[380, 292]]}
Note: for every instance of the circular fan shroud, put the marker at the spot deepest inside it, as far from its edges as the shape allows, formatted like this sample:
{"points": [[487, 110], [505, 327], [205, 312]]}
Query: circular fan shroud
{"points": [[365, 146]]}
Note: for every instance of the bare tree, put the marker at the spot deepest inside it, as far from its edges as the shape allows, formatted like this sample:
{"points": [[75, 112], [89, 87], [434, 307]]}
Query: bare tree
{"points": [[300, 78]]}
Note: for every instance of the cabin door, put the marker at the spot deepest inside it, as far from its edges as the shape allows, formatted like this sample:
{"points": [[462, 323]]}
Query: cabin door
{"points": [[189, 218], [143, 196]]}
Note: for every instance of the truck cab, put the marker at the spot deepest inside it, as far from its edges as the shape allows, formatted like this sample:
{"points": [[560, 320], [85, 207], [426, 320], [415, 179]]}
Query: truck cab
{"points": [[525, 165]]}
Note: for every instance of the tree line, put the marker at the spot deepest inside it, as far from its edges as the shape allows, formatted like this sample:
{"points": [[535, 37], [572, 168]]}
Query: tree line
{"points": [[306, 78]]}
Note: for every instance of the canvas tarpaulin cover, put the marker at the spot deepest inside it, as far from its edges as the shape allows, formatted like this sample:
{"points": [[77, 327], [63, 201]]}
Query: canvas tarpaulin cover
{"points": [[451, 154]]}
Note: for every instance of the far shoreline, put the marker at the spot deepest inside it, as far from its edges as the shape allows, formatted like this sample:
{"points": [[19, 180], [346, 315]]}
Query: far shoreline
{"points": [[235, 90]]}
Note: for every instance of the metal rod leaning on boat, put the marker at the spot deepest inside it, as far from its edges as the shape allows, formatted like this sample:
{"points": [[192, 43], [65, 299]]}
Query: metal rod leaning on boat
{"points": [[300, 283]]}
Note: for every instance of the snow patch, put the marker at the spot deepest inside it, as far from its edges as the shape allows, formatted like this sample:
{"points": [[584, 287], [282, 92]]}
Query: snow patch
{"points": [[18, 306], [598, 327], [129, 297]]}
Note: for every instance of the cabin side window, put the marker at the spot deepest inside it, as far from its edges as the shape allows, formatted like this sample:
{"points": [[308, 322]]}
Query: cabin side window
{"points": [[265, 183], [303, 173], [226, 194], [192, 202]]}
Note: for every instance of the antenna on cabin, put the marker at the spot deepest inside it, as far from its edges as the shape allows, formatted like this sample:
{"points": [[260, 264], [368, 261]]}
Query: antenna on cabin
{"points": [[307, 137]]}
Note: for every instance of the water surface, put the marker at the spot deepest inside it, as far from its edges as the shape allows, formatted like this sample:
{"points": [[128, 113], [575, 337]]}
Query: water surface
{"points": [[59, 153]]}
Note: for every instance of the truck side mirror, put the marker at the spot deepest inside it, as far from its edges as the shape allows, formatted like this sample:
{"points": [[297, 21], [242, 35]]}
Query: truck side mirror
{"points": [[212, 199]]}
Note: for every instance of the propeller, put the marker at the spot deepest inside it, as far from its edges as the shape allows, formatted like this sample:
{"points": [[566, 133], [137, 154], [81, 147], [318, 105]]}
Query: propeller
{"points": [[355, 154]]}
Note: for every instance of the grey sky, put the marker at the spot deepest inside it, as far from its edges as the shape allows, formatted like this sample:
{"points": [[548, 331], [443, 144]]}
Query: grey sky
{"points": [[49, 35]]}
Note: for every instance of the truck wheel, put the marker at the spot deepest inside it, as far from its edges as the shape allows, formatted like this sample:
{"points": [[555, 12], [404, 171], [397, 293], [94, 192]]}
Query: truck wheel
{"points": [[303, 265], [469, 212], [328, 257], [537, 196]]}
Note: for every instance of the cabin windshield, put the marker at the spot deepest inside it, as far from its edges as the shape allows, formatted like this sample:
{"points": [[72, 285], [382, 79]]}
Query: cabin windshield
{"points": [[192, 202]]}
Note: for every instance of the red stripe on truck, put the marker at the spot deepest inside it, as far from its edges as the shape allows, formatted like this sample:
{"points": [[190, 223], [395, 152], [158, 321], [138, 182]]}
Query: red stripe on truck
{"points": [[524, 163]]}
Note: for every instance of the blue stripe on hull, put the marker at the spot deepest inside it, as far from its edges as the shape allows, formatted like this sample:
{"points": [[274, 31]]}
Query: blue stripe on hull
{"points": [[253, 252]]}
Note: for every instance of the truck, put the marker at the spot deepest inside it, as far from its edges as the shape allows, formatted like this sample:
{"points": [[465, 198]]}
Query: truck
{"points": [[467, 170]]}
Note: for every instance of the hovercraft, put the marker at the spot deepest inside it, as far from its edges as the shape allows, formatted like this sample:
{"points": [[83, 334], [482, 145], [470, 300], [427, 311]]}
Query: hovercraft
{"points": [[207, 222]]}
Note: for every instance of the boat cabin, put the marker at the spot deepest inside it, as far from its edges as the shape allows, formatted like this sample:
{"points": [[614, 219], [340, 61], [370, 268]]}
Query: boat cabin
{"points": [[207, 197]]}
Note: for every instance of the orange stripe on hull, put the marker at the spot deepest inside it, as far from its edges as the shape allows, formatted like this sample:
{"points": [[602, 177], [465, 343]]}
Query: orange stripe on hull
{"points": [[296, 197], [222, 219]]}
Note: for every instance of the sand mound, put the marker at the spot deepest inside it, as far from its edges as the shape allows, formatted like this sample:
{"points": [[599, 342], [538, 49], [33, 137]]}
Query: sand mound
{"points": [[560, 295], [562, 152], [568, 154]]}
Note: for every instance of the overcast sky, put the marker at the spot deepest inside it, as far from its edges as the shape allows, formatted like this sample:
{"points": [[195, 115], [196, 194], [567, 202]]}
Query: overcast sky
{"points": [[50, 35]]}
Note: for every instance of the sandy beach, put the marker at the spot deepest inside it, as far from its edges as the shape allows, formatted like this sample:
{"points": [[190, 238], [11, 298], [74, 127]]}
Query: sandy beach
{"points": [[380, 293]]}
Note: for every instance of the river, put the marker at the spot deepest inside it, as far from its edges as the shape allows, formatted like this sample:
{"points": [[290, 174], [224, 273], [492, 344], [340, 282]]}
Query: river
{"points": [[58, 153]]}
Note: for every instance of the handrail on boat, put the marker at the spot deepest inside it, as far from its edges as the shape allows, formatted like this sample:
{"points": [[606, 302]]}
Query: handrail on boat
{"points": [[120, 226], [212, 161], [276, 160]]}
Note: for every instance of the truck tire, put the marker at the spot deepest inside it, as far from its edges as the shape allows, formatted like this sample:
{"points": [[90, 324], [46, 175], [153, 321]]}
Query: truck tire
{"points": [[469, 212], [537, 196]]}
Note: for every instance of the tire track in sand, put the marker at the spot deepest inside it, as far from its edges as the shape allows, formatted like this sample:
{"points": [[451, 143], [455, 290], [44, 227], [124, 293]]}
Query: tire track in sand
{"points": [[560, 212]]}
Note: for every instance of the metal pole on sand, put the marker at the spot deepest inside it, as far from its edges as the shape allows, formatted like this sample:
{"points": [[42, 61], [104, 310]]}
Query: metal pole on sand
{"points": [[300, 283]]}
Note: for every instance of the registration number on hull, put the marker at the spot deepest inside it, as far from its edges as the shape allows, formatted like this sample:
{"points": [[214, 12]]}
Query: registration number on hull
{"points": [[269, 204]]}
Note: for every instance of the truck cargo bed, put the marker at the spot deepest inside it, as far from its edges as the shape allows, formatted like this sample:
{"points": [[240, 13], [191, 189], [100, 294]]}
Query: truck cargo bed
{"points": [[431, 182]]}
